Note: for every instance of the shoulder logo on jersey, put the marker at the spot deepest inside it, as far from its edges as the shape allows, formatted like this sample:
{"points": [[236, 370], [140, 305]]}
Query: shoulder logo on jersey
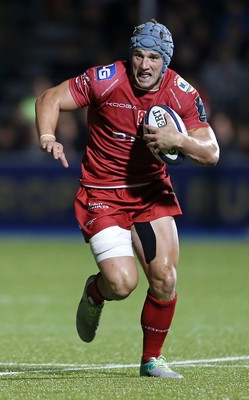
{"points": [[84, 78], [106, 73], [184, 85]]}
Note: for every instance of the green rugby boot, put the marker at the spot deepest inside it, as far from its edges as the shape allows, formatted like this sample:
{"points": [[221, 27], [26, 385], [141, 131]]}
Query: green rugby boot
{"points": [[88, 315], [158, 367]]}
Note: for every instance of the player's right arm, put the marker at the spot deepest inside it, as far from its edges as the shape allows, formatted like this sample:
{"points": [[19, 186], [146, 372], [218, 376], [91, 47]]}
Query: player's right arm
{"points": [[48, 108]]}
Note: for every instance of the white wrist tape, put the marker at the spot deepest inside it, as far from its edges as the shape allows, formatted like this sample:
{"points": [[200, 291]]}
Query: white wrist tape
{"points": [[48, 135]]}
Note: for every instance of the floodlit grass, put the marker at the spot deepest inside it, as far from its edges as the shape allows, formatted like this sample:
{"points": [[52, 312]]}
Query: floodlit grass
{"points": [[41, 357]]}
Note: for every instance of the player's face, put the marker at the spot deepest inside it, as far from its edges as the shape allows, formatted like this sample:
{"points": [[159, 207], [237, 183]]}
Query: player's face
{"points": [[146, 68]]}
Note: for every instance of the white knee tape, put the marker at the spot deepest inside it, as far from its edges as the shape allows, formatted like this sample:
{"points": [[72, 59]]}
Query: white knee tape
{"points": [[111, 242]]}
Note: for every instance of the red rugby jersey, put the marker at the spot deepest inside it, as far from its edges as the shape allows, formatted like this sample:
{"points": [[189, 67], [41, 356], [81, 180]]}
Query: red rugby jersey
{"points": [[116, 155]]}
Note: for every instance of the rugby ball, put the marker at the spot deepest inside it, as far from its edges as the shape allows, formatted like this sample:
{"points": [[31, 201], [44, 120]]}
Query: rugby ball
{"points": [[155, 117]]}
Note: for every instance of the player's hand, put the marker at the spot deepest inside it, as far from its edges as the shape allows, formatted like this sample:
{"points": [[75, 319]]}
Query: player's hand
{"points": [[56, 149], [166, 137]]}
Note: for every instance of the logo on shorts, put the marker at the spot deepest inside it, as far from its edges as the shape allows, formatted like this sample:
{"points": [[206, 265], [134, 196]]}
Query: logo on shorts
{"points": [[94, 206], [90, 222], [106, 73]]}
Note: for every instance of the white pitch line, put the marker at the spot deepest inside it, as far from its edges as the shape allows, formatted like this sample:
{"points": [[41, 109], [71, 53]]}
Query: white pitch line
{"points": [[81, 367], [54, 371], [40, 371], [209, 360]]}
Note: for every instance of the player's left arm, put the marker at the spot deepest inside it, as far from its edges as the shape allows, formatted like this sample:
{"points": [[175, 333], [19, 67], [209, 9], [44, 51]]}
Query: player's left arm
{"points": [[200, 146]]}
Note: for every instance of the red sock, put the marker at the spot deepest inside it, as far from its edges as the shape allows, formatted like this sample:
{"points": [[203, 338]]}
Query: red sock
{"points": [[94, 293], [156, 319]]}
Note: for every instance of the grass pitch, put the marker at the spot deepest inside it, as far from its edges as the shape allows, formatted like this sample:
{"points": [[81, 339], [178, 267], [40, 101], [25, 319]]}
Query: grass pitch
{"points": [[42, 358]]}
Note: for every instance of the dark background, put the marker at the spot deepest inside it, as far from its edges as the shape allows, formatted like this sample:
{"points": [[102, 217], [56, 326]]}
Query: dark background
{"points": [[44, 42]]}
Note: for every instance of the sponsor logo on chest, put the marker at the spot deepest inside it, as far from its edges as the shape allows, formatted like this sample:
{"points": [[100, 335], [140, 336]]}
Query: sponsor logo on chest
{"points": [[121, 105]]}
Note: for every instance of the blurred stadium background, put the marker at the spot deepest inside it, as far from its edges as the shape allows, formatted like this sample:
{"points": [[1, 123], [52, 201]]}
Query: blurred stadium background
{"points": [[43, 42]]}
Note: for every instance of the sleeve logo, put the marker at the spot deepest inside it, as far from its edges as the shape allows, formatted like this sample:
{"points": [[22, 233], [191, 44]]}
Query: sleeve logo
{"points": [[106, 73], [201, 109], [184, 85]]}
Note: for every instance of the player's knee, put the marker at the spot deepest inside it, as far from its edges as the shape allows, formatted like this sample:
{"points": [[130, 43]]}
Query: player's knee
{"points": [[110, 243], [163, 282], [122, 287], [170, 278]]}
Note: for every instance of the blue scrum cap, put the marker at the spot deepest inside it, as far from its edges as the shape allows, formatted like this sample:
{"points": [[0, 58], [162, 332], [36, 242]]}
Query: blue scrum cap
{"points": [[156, 37]]}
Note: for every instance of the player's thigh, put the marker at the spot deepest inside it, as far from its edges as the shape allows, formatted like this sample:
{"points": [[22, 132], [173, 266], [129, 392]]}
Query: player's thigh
{"points": [[166, 254]]}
